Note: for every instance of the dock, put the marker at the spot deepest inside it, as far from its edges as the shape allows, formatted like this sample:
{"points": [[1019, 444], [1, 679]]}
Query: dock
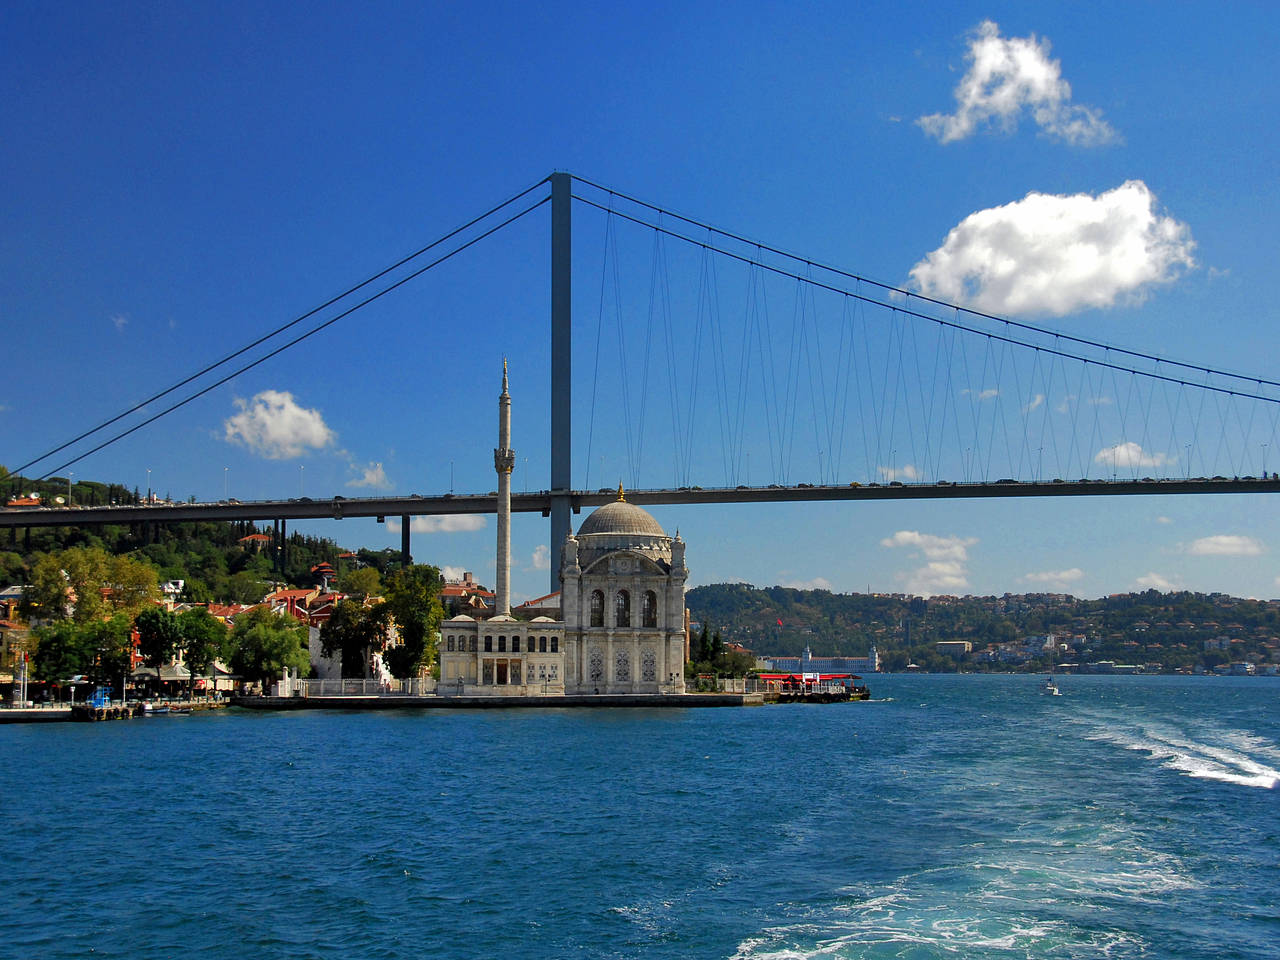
{"points": [[436, 702]]}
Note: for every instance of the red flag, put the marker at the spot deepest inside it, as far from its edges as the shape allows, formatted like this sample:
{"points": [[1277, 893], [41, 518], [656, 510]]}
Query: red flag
{"points": [[779, 622]]}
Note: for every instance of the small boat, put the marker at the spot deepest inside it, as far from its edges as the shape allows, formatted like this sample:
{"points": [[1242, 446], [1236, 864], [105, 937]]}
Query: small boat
{"points": [[1050, 689], [154, 709]]}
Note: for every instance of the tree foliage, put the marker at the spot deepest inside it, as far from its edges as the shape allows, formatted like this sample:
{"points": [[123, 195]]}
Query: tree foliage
{"points": [[265, 643], [87, 583]]}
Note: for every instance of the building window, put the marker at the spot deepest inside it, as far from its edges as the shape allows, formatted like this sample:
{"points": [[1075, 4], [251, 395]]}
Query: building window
{"points": [[488, 671], [648, 666], [515, 644], [596, 665], [450, 647], [472, 644], [649, 612], [542, 644], [622, 667], [502, 644], [597, 608], [622, 609], [515, 672], [488, 644], [555, 645]]}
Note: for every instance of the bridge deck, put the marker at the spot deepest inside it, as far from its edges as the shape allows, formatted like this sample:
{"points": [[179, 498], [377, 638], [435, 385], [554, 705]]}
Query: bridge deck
{"points": [[338, 508]]}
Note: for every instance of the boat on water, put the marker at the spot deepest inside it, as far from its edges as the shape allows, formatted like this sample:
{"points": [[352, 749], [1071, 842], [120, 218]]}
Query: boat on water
{"points": [[154, 709], [1050, 689]]}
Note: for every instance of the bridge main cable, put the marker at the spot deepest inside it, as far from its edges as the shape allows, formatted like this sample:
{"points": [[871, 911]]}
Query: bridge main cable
{"points": [[281, 329], [299, 339]]}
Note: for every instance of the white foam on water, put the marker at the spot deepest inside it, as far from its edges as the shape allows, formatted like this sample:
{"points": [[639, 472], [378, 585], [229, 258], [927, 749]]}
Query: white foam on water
{"points": [[1227, 756]]}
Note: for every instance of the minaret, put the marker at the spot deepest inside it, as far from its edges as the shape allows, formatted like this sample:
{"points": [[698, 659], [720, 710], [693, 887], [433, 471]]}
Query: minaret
{"points": [[504, 459]]}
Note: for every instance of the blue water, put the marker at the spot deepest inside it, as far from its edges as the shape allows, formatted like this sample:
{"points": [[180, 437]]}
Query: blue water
{"points": [[956, 817]]}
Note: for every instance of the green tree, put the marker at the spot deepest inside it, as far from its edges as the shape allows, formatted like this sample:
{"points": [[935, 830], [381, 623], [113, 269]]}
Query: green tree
{"points": [[159, 638], [204, 639], [111, 645], [413, 599], [86, 584], [265, 643], [361, 582], [355, 632], [61, 651]]}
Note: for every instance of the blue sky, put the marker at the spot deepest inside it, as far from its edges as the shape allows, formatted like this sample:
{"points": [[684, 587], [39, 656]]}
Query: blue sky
{"points": [[181, 180]]}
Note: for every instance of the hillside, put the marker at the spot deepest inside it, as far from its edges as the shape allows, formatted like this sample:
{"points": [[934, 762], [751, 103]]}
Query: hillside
{"points": [[1176, 630]]}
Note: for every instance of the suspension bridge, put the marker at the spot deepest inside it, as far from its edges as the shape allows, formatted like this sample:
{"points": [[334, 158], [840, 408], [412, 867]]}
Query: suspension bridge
{"points": [[703, 347]]}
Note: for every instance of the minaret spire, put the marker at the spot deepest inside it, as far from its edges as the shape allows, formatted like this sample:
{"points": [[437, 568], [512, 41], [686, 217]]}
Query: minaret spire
{"points": [[504, 460]]}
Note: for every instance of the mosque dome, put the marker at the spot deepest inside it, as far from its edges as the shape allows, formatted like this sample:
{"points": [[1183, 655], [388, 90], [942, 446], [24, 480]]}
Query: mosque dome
{"points": [[622, 518]]}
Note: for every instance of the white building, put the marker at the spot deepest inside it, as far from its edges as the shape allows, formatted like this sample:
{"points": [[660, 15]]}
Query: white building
{"points": [[622, 600]]}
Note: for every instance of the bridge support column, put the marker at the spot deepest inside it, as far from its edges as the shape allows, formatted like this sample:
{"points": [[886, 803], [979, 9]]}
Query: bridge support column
{"points": [[561, 365], [405, 558]]}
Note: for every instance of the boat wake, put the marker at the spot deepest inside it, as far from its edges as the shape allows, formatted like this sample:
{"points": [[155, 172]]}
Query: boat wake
{"points": [[1228, 756]]}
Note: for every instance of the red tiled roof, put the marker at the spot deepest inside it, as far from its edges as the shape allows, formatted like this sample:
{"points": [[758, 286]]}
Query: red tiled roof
{"points": [[256, 537]]}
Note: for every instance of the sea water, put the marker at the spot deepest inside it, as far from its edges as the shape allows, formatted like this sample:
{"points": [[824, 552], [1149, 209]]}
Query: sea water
{"points": [[952, 816]]}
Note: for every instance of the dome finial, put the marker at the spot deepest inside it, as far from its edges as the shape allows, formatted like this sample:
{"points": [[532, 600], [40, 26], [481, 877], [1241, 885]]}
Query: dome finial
{"points": [[622, 497]]}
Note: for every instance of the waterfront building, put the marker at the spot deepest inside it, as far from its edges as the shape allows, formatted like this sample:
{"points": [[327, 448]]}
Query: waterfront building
{"points": [[622, 627], [808, 663]]}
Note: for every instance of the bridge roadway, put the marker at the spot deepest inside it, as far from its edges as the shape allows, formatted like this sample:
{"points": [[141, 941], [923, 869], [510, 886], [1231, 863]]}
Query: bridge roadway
{"points": [[338, 508]]}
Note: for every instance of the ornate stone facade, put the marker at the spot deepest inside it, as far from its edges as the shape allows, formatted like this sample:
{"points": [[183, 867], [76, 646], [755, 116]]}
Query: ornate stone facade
{"points": [[622, 596]]}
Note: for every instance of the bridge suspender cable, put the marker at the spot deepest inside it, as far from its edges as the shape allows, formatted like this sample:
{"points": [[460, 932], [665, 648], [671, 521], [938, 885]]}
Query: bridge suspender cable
{"points": [[898, 291], [276, 332], [1013, 341]]}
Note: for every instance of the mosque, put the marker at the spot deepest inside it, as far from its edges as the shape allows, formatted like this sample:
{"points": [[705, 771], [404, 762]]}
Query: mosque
{"points": [[623, 627]]}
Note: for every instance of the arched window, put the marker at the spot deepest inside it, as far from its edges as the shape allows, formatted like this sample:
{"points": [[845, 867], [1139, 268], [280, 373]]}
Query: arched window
{"points": [[597, 608], [488, 644], [555, 645], [622, 609], [515, 644], [649, 612], [502, 644], [542, 645], [472, 644], [451, 644]]}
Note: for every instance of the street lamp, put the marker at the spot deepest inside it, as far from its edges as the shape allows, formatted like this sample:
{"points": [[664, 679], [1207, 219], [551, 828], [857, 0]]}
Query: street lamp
{"points": [[148, 485], [226, 482], [70, 474]]}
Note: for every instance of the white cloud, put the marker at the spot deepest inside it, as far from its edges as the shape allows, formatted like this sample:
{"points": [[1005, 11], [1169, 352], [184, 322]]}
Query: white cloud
{"points": [[454, 574], [1226, 545], [1048, 254], [904, 472], [1155, 581], [274, 426], [1061, 579], [1129, 455], [817, 583], [541, 557], [946, 567], [1006, 77], [120, 321], [371, 475], [446, 523], [1036, 402], [986, 394], [1163, 520]]}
